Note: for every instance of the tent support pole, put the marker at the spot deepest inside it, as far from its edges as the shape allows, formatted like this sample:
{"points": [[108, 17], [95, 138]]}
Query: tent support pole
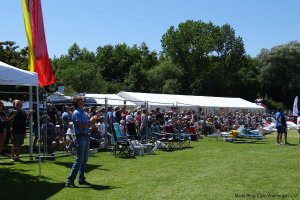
{"points": [[39, 130], [30, 125], [106, 121]]}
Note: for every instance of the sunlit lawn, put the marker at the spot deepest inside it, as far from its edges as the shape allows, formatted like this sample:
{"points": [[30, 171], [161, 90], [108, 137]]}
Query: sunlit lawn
{"points": [[210, 170]]}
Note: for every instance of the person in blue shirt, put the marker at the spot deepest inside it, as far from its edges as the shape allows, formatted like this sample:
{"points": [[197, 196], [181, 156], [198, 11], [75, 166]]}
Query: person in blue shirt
{"points": [[281, 127], [81, 127], [66, 117]]}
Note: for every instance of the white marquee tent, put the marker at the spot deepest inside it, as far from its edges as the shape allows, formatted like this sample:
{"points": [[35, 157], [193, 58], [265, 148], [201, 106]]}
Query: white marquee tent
{"points": [[112, 99], [206, 102], [10, 75]]}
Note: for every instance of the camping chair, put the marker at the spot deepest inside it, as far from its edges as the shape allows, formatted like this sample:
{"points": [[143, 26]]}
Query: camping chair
{"points": [[184, 138], [160, 141], [173, 141], [121, 146]]}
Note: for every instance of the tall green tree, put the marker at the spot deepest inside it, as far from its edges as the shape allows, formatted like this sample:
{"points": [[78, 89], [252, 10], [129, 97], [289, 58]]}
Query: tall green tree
{"points": [[114, 62], [83, 78], [205, 52], [11, 54], [279, 72], [136, 79], [165, 78], [78, 72]]}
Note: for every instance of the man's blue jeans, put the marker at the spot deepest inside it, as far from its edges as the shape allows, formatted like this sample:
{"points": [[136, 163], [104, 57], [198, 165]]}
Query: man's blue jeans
{"points": [[79, 165]]}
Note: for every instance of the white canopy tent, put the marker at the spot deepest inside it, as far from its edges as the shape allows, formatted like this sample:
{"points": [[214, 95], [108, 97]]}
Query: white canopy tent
{"points": [[112, 99], [7, 103], [58, 97], [10, 75], [193, 102]]}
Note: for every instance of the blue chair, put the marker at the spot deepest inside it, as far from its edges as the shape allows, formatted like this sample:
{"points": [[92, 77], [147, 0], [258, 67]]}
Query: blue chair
{"points": [[185, 139], [122, 147]]}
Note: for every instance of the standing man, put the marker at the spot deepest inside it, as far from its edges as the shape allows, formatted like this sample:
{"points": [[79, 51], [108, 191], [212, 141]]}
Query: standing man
{"points": [[81, 126], [281, 127], [19, 121]]}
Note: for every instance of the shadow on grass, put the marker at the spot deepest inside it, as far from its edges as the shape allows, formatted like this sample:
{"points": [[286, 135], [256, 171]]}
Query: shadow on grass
{"points": [[126, 157], [89, 167], [176, 149], [7, 163], [289, 144], [99, 187], [250, 142], [188, 147], [15, 184]]}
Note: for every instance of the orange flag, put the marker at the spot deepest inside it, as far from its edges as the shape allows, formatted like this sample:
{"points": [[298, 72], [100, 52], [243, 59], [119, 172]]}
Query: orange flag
{"points": [[38, 54]]}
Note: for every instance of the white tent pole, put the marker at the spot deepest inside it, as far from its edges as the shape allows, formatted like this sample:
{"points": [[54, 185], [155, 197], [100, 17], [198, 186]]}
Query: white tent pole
{"points": [[105, 115], [30, 126], [38, 129]]}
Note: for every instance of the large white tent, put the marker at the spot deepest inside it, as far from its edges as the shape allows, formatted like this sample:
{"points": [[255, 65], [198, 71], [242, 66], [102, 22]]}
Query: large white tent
{"points": [[58, 97], [205, 102], [112, 99], [10, 75]]}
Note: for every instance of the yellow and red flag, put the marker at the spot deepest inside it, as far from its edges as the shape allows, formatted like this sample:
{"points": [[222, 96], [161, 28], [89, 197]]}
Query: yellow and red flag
{"points": [[38, 54]]}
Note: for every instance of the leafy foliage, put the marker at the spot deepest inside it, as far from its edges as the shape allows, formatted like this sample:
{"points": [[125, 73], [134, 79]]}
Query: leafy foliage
{"points": [[197, 58], [12, 55], [279, 69]]}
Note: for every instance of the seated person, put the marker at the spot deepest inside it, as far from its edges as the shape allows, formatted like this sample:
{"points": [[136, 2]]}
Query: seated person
{"points": [[94, 131], [48, 134], [70, 135], [123, 127]]}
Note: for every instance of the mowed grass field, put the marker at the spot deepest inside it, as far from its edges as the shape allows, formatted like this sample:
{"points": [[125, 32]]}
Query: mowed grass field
{"points": [[210, 169]]}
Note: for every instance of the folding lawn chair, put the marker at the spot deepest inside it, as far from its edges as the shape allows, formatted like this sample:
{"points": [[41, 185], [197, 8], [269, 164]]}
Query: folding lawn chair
{"points": [[122, 147]]}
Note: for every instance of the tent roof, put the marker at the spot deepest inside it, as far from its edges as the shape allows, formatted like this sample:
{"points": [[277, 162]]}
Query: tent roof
{"points": [[189, 100], [7, 103], [112, 99], [58, 97], [10, 75]]}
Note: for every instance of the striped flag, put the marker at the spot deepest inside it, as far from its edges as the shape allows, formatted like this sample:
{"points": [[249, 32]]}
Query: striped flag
{"points": [[38, 54]]}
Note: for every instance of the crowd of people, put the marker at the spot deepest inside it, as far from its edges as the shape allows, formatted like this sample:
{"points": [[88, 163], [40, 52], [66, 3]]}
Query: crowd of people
{"points": [[137, 123], [85, 122]]}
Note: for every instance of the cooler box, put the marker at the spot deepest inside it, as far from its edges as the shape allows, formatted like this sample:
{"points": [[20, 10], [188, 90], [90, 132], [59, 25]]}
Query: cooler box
{"points": [[139, 150]]}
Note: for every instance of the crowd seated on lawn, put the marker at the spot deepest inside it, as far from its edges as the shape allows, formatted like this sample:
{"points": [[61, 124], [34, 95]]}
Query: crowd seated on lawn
{"points": [[141, 125]]}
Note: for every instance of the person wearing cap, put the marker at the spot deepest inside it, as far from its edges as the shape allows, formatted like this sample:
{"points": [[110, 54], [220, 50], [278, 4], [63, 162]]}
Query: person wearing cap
{"points": [[298, 125], [130, 126]]}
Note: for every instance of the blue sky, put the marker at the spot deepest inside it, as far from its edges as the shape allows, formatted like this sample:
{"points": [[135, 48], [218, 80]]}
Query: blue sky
{"points": [[93, 23]]}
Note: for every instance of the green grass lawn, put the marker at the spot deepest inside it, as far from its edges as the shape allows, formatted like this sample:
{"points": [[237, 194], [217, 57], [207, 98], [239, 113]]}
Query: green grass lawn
{"points": [[211, 169]]}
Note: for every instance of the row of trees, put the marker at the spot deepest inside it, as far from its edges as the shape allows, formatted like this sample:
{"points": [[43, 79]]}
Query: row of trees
{"points": [[197, 58]]}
